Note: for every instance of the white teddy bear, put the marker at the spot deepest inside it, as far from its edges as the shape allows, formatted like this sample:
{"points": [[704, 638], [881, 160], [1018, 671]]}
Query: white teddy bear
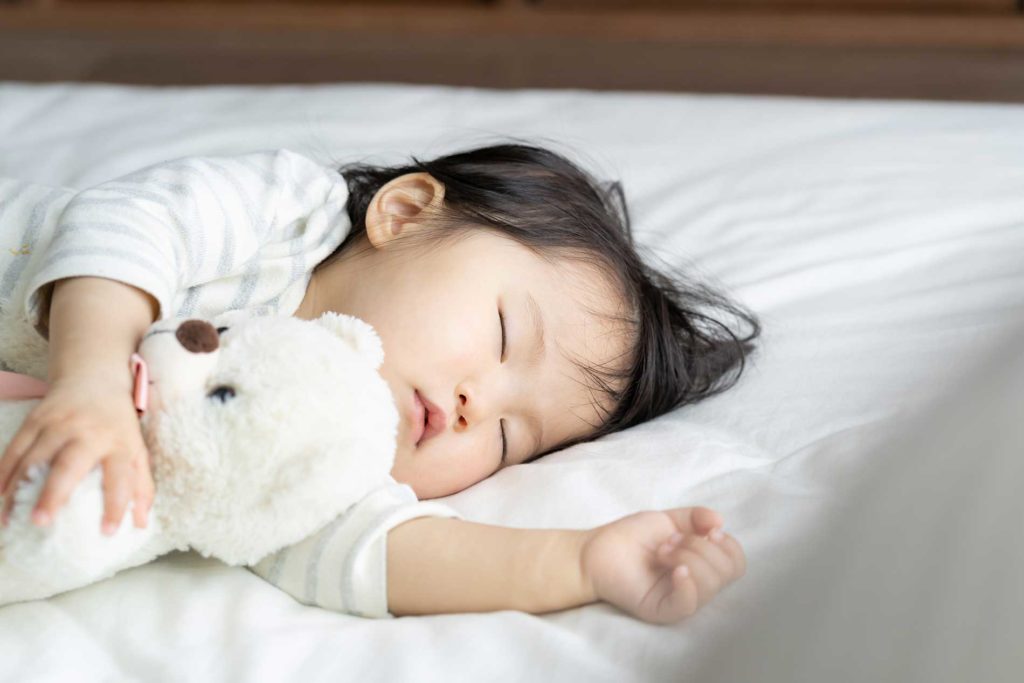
{"points": [[260, 431]]}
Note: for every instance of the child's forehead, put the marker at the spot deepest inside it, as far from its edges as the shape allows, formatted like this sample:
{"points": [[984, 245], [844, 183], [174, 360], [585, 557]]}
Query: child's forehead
{"points": [[567, 266], [573, 288], [585, 325]]}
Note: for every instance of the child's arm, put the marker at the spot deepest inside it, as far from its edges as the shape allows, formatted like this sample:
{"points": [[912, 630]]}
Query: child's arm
{"points": [[241, 226], [88, 415], [437, 565]]}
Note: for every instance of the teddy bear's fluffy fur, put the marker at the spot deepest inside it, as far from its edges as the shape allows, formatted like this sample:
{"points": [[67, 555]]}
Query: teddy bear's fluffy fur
{"points": [[254, 446]]}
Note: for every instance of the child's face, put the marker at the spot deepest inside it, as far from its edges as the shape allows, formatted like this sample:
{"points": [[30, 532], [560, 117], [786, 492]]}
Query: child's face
{"points": [[436, 309]]}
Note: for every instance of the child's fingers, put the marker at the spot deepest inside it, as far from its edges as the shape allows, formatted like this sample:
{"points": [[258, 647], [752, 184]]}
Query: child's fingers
{"points": [[715, 555], [143, 494], [71, 464], [696, 520], [117, 488], [42, 450], [15, 453], [8, 505], [684, 599], [735, 552], [703, 574], [139, 512], [9, 484], [704, 520], [9, 461], [21, 440], [19, 475]]}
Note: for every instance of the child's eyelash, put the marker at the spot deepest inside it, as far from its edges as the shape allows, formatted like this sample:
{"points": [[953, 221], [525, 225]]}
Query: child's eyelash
{"points": [[504, 442], [501, 423], [501, 321]]}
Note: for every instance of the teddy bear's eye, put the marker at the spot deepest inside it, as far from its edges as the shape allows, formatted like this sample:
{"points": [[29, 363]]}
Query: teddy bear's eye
{"points": [[222, 393], [222, 330]]}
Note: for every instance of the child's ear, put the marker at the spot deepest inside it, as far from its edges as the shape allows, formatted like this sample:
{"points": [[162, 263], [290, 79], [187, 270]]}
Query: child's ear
{"points": [[401, 207]]}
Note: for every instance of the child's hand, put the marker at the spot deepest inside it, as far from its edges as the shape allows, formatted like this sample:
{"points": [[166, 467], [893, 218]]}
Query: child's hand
{"points": [[634, 564], [79, 423]]}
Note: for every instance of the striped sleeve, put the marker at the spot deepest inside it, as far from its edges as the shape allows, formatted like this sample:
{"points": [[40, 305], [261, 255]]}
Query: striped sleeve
{"points": [[343, 567], [251, 220], [27, 214]]}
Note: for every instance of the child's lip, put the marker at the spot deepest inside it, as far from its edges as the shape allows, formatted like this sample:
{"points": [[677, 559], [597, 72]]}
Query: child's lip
{"points": [[429, 420], [417, 417]]}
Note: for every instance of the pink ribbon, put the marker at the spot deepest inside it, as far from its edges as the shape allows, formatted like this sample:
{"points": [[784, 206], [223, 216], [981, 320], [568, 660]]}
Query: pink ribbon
{"points": [[17, 387], [141, 390]]}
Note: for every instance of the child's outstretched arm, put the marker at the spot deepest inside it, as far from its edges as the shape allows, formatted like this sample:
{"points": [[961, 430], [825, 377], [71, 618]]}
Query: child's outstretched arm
{"points": [[637, 563], [88, 416]]}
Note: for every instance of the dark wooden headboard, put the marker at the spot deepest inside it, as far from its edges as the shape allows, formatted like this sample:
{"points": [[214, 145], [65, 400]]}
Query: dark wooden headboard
{"points": [[914, 49]]}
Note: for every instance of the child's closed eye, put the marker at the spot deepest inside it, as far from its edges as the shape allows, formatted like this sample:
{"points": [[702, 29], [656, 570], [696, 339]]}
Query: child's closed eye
{"points": [[504, 443], [501, 323]]}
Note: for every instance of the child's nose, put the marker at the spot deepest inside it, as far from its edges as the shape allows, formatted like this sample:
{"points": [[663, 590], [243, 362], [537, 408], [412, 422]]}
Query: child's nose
{"points": [[460, 412], [473, 406]]}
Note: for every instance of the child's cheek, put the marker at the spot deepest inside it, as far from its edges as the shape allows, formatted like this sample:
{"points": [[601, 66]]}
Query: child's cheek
{"points": [[470, 470]]}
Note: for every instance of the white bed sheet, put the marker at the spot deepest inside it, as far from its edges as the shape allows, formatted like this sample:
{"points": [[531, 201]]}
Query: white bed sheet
{"points": [[881, 242]]}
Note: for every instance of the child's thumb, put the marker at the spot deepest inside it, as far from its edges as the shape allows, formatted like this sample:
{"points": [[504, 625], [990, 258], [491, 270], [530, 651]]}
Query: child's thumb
{"points": [[695, 520], [703, 520]]}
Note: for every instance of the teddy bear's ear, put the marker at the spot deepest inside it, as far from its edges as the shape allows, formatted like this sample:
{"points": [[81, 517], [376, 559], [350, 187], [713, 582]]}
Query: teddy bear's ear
{"points": [[357, 333]]}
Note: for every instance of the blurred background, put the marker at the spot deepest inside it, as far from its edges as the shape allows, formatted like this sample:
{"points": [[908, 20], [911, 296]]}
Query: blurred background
{"points": [[915, 49]]}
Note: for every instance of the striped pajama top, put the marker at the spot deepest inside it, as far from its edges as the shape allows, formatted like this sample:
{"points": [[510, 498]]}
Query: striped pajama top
{"points": [[205, 235]]}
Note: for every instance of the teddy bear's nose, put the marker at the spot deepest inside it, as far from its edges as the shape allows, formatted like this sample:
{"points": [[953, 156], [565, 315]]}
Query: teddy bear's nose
{"points": [[198, 336]]}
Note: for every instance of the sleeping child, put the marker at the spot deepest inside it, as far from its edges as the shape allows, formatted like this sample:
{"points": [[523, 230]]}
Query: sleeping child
{"points": [[517, 319]]}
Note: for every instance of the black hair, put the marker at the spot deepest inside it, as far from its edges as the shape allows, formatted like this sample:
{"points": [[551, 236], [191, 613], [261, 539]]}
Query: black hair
{"points": [[681, 354]]}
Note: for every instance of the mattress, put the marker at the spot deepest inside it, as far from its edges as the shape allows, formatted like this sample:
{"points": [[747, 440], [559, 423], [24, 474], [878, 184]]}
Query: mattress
{"points": [[866, 459]]}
